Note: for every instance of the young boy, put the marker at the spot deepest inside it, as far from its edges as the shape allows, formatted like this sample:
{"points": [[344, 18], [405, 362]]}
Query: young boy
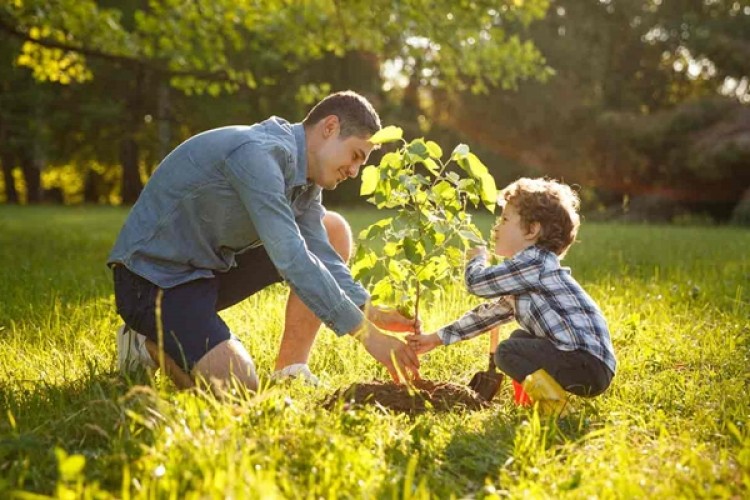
{"points": [[563, 332]]}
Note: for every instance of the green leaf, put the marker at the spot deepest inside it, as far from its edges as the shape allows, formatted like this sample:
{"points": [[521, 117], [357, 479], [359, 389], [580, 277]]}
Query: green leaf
{"points": [[476, 168], [391, 248], [376, 228], [427, 272], [397, 271], [382, 291], [444, 190], [434, 150], [453, 177], [391, 160], [489, 192], [388, 134], [370, 178], [418, 149], [471, 236], [460, 151], [421, 179], [363, 266], [466, 184], [432, 166], [412, 251]]}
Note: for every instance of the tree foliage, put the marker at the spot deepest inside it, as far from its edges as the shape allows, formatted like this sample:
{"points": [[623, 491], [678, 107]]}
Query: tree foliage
{"points": [[134, 48], [219, 45], [632, 105]]}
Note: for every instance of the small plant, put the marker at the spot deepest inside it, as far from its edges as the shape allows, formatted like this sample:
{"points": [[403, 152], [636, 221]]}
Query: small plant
{"points": [[411, 256]]}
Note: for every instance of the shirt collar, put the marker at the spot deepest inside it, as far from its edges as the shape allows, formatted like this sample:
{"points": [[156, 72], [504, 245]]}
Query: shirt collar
{"points": [[300, 178]]}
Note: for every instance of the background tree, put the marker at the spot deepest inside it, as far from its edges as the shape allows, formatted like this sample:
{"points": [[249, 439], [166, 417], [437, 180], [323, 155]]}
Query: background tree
{"points": [[635, 95], [223, 45]]}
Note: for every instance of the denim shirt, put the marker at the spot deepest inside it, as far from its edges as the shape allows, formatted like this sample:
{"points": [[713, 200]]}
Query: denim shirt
{"points": [[226, 190]]}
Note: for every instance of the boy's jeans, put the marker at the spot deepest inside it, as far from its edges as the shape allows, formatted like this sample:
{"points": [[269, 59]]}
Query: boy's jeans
{"points": [[577, 372]]}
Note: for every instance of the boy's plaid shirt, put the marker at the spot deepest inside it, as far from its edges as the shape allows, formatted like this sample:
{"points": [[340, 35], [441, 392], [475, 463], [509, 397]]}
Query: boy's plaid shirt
{"points": [[549, 303]]}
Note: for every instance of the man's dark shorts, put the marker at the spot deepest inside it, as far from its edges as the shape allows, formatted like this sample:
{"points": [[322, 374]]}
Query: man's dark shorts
{"points": [[190, 324]]}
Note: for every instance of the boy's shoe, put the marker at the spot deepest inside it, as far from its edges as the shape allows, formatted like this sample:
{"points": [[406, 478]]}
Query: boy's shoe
{"points": [[297, 370], [543, 389], [131, 351], [520, 398]]}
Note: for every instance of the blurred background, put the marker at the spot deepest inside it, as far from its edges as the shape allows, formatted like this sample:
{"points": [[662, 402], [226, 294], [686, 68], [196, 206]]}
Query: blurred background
{"points": [[644, 104]]}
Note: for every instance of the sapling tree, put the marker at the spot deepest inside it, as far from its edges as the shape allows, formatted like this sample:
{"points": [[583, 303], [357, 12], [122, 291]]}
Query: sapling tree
{"points": [[410, 256]]}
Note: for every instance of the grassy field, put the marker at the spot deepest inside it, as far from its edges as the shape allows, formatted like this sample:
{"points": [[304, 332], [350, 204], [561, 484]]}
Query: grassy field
{"points": [[675, 423]]}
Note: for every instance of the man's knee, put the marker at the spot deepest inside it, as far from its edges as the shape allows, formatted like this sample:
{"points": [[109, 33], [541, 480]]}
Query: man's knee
{"points": [[339, 234], [225, 362]]}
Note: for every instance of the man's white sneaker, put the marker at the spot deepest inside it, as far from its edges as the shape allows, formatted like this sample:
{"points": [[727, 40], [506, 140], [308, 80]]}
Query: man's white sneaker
{"points": [[131, 350], [297, 370]]}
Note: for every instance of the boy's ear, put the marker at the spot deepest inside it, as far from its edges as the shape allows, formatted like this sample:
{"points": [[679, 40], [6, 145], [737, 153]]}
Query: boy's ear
{"points": [[534, 231]]}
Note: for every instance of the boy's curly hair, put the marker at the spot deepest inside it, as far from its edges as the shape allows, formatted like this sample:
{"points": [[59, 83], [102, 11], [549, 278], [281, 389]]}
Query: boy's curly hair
{"points": [[552, 204]]}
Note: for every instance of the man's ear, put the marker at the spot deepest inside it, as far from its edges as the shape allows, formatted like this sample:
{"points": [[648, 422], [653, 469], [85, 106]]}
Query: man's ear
{"points": [[534, 231], [330, 126]]}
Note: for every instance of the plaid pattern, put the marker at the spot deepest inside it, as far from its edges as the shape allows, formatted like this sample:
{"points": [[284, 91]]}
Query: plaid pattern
{"points": [[549, 303]]}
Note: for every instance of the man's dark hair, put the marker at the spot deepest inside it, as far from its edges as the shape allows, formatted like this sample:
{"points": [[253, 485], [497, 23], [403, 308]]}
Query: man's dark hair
{"points": [[356, 115]]}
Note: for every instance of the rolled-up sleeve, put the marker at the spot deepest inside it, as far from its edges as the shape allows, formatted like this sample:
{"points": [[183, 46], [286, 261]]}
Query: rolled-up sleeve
{"points": [[314, 233], [255, 171]]}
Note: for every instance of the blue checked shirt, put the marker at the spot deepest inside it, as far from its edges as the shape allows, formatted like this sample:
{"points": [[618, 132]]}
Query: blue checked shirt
{"points": [[549, 303]]}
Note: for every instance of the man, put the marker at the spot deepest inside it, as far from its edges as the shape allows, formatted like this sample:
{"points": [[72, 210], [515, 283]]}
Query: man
{"points": [[231, 211]]}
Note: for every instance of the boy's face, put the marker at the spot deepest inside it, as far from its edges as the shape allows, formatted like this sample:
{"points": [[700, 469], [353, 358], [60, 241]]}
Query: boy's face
{"points": [[510, 234]]}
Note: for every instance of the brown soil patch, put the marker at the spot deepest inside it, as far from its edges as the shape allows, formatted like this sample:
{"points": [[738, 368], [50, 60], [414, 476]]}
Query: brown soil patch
{"points": [[421, 396]]}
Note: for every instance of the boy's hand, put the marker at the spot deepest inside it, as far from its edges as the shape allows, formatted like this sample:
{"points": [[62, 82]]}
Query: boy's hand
{"points": [[392, 320], [473, 252], [423, 343]]}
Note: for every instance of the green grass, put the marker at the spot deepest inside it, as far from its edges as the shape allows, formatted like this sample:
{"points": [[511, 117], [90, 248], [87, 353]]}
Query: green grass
{"points": [[675, 423]]}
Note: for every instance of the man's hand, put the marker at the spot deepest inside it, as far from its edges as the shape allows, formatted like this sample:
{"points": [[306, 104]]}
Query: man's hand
{"points": [[473, 252], [392, 320], [423, 343], [395, 354]]}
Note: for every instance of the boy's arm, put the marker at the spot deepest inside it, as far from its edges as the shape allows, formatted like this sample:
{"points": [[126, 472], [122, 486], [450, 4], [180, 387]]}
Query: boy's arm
{"points": [[512, 277], [477, 321]]}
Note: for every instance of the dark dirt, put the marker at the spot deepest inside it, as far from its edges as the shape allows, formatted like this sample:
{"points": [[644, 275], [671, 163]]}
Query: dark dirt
{"points": [[422, 396]]}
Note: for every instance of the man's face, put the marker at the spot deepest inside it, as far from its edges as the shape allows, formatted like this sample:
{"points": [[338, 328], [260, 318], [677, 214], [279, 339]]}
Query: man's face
{"points": [[338, 159]]}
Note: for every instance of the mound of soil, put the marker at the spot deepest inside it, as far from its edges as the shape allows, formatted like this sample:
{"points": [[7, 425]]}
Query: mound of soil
{"points": [[421, 396]]}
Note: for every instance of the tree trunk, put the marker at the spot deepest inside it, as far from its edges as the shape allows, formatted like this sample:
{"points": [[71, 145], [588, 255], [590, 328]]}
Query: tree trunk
{"points": [[11, 194], [129, 151], [164, 119], [91, 186], [33, 177], [131, 177]]}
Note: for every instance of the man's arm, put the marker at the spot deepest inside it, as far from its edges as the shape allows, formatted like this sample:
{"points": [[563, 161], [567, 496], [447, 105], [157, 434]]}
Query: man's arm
{"points": [[314, 233], [255, 171], [317, 239]]}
